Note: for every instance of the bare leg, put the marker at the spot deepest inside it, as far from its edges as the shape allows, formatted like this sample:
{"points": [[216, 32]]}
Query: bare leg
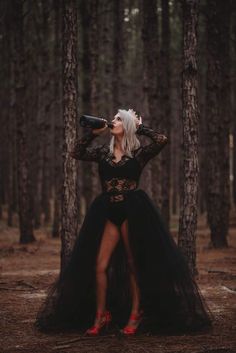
{"points": [[134, 287], [109, 240]]}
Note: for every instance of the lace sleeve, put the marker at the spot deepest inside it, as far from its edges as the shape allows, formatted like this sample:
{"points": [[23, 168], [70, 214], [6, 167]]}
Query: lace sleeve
{"points": [[145, 153], [81, 150]]}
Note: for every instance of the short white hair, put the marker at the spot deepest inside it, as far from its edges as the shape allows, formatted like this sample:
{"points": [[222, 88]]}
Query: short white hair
{"points": [[129, 141]]}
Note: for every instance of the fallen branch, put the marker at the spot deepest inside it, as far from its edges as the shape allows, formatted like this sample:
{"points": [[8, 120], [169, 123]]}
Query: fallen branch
{"points": [[17, 289], [61, 347], [222, 272], [21, 282], [228, 289]]}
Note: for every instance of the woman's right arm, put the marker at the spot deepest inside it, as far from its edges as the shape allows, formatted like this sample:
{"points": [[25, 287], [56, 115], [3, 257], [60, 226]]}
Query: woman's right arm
{"points": [[81, 150]]}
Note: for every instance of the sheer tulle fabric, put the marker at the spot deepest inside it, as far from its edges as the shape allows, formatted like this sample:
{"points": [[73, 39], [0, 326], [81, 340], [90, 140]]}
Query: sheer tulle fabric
{"points": [[170, 297]]}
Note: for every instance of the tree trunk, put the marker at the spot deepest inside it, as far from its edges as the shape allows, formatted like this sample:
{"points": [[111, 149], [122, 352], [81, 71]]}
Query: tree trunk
{"points": [[225, 112], [188, 216], [176, 108], [94, 48], [150, 53], [84, 167], [106, 59], [70, 74], [6, 138], [46, 100], [165, 111], [118, 50], [32, 94], [39, 135], [89, 19], [25, 220], [234, 114], [202, 106], [57, 121], [217, 124]]}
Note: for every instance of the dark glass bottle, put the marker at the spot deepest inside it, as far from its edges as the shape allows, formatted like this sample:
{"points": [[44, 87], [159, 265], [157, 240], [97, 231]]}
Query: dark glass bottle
{"points": [[94, 122]]}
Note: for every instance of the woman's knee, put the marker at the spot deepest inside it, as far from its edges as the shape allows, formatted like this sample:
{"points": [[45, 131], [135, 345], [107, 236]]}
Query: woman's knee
{"points": [[101, 267]]}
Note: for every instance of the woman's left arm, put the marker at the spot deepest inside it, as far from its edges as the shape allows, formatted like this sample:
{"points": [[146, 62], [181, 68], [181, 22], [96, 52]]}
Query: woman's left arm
{"points": [[81, 150], [145, 153]]}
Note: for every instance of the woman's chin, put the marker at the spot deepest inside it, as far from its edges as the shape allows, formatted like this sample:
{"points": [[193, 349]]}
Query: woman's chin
{"points": [[117, 133]]}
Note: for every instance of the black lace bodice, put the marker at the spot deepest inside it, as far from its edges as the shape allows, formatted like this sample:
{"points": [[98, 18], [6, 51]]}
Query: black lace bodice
{"points": [[123, 175]]}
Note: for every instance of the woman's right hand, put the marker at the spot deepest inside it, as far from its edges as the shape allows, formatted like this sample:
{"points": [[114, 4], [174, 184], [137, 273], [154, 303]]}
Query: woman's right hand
{"points": [[98, 131]]}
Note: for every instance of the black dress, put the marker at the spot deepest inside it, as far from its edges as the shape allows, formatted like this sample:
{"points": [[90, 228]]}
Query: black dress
{"points": [[170, 297]]}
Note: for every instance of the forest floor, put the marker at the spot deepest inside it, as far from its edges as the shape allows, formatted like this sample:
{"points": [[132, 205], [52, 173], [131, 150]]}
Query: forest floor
{"points": [[28, 270]]}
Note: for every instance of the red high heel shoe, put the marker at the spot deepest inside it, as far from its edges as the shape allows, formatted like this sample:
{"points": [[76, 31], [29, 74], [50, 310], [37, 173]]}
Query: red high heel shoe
{"points": [[129, 330], [105, 320]]}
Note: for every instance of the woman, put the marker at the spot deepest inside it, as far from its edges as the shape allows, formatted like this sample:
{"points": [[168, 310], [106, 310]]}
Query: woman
{"points": [[125, 269]]}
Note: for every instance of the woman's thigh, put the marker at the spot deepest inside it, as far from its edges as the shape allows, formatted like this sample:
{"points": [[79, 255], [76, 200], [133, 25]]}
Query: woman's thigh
{"points": [[109, 241], [125, 238]]}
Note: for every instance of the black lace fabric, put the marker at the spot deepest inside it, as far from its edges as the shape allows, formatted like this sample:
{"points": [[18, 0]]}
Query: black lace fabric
{"points": [[145, 153], [110, 159], [117, 187], [82, 152]]}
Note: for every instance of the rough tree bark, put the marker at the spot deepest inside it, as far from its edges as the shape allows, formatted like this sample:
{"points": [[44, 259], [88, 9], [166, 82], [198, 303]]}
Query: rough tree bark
{"points": [[69, 192], [4, 119], [217, 122], [118, 52], [57, 120], [36, 11], [225, 113], [188, 214], [90, 29], [94, 50], [106, 59], [25, 219], [150, 58], [31, 97], [84, 167], [46, 100], [165, 115], [176, 108], [234, 114], [9, 140]]}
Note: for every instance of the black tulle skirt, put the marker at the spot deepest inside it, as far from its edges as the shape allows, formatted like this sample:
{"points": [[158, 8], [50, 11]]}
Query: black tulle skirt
{"points": [[170, 297]]}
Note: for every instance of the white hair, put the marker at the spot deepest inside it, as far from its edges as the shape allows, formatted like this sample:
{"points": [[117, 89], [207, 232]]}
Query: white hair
{"points": [[129, 141]]}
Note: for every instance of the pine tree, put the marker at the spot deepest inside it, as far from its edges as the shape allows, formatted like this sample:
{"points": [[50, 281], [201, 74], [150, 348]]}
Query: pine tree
{"points": [[25, 216], [70, 93], [188, 215]]}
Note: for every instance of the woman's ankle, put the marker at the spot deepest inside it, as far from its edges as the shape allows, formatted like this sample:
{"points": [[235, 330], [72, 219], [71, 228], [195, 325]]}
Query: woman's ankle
{"points": [[135, 310], [135, 314], [100, 312]]}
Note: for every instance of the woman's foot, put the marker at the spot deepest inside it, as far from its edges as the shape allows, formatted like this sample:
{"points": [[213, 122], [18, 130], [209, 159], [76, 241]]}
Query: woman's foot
{"points": [[102, 320], [133, 323]]}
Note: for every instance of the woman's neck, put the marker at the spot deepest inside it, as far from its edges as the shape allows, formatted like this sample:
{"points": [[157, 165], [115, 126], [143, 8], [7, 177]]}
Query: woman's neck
{"points": [[118, 145]]}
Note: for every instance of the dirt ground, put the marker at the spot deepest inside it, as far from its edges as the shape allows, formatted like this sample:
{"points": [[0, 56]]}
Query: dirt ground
{"points": [[27, 271]]}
